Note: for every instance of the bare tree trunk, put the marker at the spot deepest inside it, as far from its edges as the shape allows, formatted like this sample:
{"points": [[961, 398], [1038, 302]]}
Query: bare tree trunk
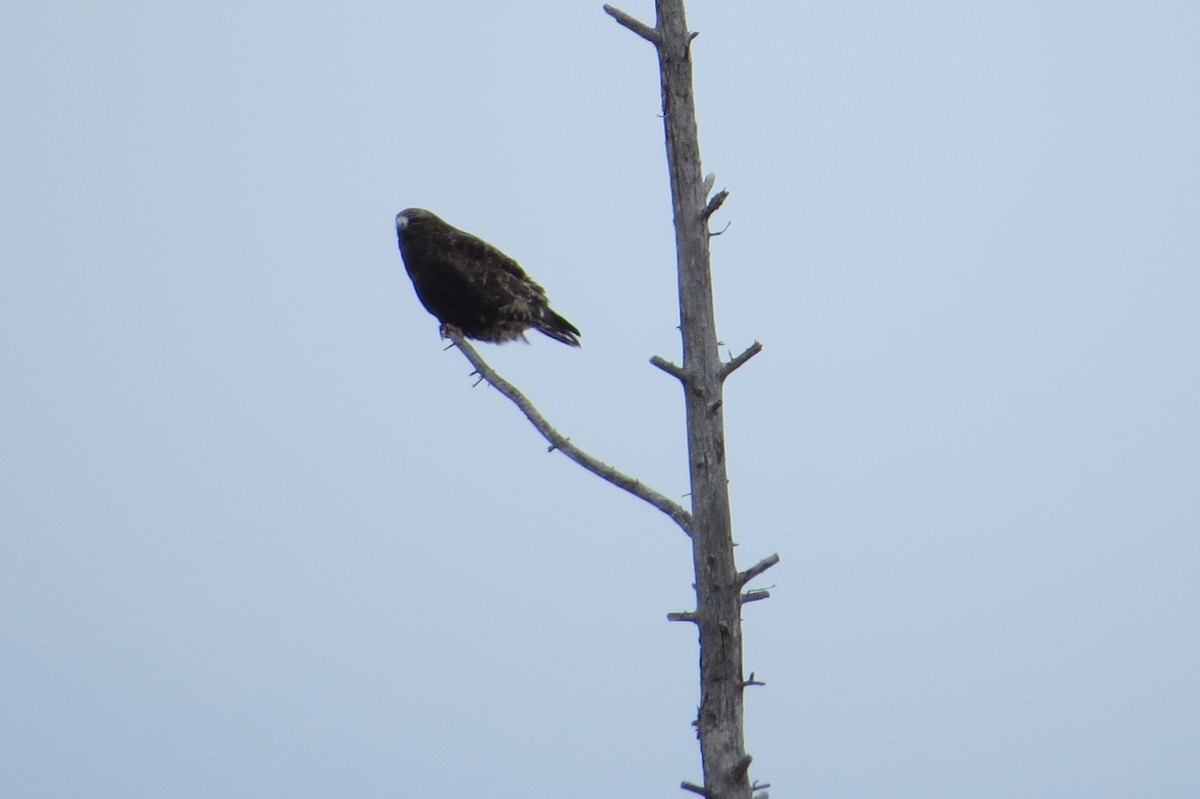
{"points": [[719, 585], [718, 595]]}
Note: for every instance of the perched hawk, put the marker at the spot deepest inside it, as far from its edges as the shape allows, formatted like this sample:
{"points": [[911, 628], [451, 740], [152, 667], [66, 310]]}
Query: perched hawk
{"points": [[469, 284]]}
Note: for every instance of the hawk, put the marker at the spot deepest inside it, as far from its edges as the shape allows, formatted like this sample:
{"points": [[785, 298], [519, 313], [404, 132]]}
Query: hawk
{"points": [[470, 285]]}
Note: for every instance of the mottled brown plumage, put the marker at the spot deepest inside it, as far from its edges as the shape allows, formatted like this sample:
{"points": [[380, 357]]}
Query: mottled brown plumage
{"points": [[469, 284]]}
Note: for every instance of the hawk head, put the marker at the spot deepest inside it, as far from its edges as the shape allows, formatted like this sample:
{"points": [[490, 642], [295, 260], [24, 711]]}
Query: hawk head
{"points": [[414, 216]]}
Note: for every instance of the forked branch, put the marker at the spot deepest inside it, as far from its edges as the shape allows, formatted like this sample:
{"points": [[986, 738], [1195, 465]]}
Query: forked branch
{"points": [[563, 444], [729, 367]]}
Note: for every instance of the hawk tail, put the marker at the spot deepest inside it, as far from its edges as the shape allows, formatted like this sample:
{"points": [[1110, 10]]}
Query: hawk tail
{"points": [[557, 328]]}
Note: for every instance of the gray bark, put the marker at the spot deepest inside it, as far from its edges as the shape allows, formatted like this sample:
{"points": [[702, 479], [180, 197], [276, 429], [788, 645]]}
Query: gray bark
{"points": [[718, 584]]}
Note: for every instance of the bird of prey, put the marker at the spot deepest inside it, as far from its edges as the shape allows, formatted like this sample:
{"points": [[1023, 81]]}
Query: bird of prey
{"points": [[470, 285]]}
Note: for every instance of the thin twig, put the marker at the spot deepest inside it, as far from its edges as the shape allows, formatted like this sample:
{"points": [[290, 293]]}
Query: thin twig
{"points": [[688, 786], [757, 569], [563, 444], [637, 26], [728, 368]]}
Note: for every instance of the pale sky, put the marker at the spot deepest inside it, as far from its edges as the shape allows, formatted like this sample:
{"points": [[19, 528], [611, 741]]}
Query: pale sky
{"points": [[260, 537]]}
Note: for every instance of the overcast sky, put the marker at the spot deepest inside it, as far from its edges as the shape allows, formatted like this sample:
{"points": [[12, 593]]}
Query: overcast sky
{"points": [[260, 537]]}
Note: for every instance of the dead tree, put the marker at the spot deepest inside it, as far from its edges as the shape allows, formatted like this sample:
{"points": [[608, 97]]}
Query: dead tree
{"points": [[721, 590]]}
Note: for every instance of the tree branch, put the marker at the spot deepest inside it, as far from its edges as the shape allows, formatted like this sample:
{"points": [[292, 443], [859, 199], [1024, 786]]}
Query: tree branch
{"points": [[667, 366], [635, 25], [716, 202], [682, 615], [720, 232], [757, 569], [755, 595], [687, 786], [731, 366], [563, 444]]}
